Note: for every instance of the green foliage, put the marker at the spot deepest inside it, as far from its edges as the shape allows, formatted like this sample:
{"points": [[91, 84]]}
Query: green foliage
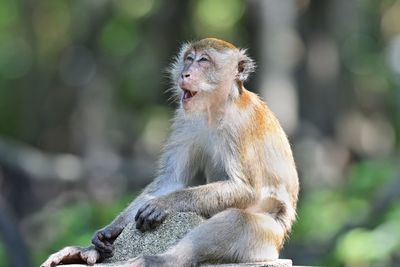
{"points": [[368, 176], [377, 245], [136, 9], [362, 246], [329, 210], [367, 240], [119, 38], [379, 240], [219, 16], [3, 255]]}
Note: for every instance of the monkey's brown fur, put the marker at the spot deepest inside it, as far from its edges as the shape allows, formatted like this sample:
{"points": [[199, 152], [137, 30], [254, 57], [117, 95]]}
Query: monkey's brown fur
{"points": [[229, 133]]}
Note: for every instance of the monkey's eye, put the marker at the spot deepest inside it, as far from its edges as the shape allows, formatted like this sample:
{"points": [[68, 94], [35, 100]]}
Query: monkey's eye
{"points": [[189, 58], [203, 59]]}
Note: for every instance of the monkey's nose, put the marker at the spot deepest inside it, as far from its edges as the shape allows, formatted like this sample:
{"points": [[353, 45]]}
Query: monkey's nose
{"points": [[185, 75]]}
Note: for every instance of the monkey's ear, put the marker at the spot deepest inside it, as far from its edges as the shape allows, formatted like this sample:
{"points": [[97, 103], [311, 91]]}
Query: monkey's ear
{"points": [[245, 66]]}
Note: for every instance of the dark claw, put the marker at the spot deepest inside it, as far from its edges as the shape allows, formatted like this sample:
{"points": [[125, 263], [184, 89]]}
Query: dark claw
{"points": [[139, 223], [153, 219]]}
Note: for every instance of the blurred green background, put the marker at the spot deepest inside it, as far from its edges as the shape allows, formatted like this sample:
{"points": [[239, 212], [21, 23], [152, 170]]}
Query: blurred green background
{"points": [[84, 114]]}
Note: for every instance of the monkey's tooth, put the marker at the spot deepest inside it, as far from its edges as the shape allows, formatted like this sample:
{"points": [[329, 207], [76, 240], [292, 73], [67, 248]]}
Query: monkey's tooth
{"points": [[186, 94]]}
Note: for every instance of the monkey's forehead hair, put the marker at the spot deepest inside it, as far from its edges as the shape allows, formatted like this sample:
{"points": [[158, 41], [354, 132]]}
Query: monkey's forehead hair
{"points": [[213, 43]]}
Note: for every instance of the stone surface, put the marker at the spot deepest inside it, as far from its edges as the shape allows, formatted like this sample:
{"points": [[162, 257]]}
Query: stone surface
{"points": [[132, 243]]}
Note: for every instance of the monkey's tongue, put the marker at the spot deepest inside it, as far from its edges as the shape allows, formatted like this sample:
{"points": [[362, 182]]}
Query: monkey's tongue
{"points": [[188, 94]]}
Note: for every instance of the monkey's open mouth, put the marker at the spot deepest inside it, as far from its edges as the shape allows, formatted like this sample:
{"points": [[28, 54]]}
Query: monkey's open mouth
{"points": [[187, 94]]}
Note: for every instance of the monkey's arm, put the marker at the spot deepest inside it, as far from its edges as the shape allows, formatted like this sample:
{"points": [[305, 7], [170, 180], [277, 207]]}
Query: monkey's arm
{"points": [[172, 176], [212, 198], [206, 200], [104, 238]]}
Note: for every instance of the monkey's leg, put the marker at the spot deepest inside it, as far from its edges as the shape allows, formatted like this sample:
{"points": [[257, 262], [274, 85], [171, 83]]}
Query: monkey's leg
{"points": [[230, 236]]}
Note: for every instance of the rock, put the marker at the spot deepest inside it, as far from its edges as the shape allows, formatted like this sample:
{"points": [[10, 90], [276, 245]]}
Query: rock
{"points": [[132, 242]]}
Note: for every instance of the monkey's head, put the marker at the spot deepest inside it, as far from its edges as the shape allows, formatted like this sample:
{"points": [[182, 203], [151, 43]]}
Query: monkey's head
{"points": [[209, 72]]}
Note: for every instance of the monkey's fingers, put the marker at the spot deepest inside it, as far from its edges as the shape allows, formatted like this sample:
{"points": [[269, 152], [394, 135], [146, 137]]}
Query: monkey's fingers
{"points": [[106, 251], [146, 225], [156, 218], [152, 221], [141, 210], [142, 222], [90, 255], [109, 236], [139, 223], [161, 217], [111, 233], [99, 242], [66, 255]]}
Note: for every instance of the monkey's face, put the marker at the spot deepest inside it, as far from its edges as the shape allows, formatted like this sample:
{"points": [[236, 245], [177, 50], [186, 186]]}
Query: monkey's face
{"points": [[203, 77], [207, 72]]}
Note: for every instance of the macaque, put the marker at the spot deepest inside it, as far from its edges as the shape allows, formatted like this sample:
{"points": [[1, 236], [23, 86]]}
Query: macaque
{"points": [[230, 134]]}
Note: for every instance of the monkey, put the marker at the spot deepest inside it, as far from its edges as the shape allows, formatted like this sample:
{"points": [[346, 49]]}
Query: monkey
{"points": [[250, 196]]}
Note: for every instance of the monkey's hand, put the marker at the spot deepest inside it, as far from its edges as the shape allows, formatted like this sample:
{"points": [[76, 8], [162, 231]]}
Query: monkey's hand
{"points": [[104, 239], [67, 255], [152, 214]]}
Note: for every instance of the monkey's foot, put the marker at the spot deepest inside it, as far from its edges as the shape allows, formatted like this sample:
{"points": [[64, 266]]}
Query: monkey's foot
{"points": [[73, 255]]}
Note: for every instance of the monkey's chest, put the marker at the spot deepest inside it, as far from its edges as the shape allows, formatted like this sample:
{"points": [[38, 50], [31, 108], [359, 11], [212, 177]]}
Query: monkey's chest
{"points": [[214, 168], [215, 155]]}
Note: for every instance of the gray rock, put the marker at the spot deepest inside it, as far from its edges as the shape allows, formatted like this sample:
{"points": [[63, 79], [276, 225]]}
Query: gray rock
{"points": [[132, 242]]}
